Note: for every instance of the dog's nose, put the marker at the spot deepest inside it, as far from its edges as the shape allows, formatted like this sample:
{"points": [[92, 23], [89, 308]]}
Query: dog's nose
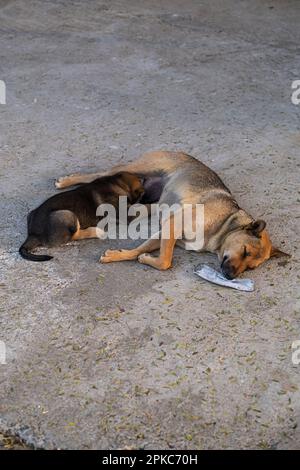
{"points": [[224, 262], [227, 269], [227, 274], [225, 258]]}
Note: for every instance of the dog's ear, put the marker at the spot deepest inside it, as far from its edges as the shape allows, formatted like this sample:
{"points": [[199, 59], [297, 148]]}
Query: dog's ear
{"points": [[134, 185], [256, 227], [232, 223], [136, 194], [276, 253]]}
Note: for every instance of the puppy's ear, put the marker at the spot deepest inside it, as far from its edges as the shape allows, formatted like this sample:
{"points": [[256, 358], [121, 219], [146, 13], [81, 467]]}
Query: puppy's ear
{"points": [[134, 185], [276, 253], [256, 227], [136, 194]]}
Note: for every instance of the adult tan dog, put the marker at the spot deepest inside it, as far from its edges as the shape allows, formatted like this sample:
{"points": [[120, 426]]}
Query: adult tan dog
{"points": [[173, 177]]}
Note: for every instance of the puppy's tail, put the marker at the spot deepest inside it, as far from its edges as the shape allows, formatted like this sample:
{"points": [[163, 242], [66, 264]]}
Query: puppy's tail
{"points": [[30, 243]]}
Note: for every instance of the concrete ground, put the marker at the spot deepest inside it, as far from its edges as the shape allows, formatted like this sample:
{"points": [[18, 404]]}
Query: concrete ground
{"points": [[121, 355]]}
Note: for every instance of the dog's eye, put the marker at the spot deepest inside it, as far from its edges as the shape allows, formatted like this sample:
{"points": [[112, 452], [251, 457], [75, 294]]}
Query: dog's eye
{"points": [[246, 253]]}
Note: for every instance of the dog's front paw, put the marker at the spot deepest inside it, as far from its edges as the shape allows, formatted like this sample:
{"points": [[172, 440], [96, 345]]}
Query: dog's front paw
{"points": [[154, 261], [145, 258], [109, 256]]}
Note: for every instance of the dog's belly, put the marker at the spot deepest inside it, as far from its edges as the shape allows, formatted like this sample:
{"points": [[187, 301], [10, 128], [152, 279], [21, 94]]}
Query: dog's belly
{"points": [[153, 186]]}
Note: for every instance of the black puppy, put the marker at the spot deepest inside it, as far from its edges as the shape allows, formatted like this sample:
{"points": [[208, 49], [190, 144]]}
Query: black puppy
{"points": [[72, 215]]}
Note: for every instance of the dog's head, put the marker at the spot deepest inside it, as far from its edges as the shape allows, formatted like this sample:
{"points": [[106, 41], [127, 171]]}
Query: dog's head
{"points": [[246, 248], [131, 184]]}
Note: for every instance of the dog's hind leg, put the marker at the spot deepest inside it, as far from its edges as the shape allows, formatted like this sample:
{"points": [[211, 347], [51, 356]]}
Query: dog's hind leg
{"points": [[149, 163], [90, 232], [81, 178], [77, 178], [62, 226]]}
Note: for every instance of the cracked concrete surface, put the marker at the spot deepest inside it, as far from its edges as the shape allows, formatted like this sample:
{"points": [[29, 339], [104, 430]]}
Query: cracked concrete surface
{"points": [[120, 355]]}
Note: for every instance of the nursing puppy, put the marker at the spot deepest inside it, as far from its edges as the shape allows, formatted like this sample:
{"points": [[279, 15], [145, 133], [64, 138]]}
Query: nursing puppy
{"points": [[240, 241], [72, 215]]}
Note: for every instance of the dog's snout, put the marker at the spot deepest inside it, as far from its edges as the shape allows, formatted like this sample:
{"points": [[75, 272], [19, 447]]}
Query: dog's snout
{"points": [[225, 258], [227, 269], [227, 274]]}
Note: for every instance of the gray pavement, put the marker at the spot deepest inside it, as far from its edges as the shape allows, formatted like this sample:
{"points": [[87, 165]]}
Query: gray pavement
{"points": [[121, 355]]}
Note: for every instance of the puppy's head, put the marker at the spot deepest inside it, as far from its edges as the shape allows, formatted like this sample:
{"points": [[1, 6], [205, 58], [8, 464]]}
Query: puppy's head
{"points": [[131, 184], [246, 248]]}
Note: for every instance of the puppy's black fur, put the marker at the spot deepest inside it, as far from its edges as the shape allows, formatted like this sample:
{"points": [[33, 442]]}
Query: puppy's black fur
{"points": [[57, 220]]}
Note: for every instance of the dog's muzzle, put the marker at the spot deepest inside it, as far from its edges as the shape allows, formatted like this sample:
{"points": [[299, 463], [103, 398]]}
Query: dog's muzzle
{"points": [[227, 269]]}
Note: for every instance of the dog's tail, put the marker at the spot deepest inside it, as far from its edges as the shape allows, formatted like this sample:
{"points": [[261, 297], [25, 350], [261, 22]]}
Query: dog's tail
{"points": [[30, 243]]}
